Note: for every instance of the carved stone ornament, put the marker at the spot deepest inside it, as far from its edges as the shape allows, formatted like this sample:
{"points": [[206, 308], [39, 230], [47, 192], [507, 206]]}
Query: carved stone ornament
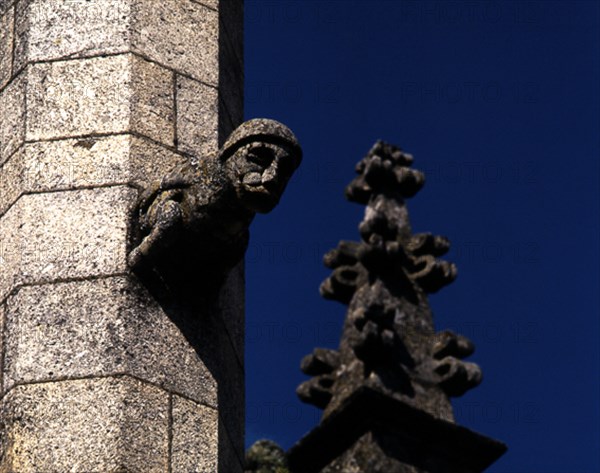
{"points": [[191, 228], [385, 391], [388, 338]]}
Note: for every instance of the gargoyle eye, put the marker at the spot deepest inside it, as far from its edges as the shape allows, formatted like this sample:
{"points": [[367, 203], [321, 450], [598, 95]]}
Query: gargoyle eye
{"points": [[262, 156]]}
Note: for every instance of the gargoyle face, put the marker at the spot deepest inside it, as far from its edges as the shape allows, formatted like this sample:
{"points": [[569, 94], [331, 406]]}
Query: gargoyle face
{"points": [[260, 172]]}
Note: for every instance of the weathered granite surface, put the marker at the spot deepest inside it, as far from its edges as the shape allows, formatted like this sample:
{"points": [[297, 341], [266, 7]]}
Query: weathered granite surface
{"points": [[197, 103], [88, 425], [60, 331], [6, 5], [89, 116], [59, 235], [50, 30], [179, 35], [6, 45], [2, 325], [195, 437], [12, 125], [82, 163], [183, 36], [103, 95]]}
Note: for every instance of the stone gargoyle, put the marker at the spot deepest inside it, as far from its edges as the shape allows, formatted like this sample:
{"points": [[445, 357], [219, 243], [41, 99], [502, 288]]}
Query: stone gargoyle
{"points": [[191, 227]]}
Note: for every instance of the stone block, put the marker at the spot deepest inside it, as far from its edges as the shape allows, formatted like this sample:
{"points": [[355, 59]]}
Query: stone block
{"points": [[233, 409], [79, 97], [21, 29], [6, 46], [49, 30], [231, 83], [204, 330], [11, 180], [114, 94], [232, 309], [12, 118], [98, 328], [197, 107], [195, 447], [92, 425], [6, 5], [73, 234], [231, 394], [2, 319], [150, 162], [153, 101], [230, 460], [179, 34], [231, 56], [214, 4], [231, 16], [90, 162]]}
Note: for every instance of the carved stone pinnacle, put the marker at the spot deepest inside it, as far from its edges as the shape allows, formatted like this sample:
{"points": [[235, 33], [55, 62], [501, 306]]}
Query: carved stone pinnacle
{"points": [[389, 353]]}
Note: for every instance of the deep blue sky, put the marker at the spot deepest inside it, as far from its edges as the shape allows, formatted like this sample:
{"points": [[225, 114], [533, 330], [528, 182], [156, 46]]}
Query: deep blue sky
{"points": [[499, 104]]}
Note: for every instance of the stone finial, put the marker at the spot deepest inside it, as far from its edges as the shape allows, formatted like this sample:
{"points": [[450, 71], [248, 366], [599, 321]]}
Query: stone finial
{"points": [[390, 364], [194, 222], [383, 278]]}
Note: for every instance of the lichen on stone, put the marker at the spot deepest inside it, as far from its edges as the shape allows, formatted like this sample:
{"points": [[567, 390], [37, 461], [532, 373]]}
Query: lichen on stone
{"points": [[265, 456]]}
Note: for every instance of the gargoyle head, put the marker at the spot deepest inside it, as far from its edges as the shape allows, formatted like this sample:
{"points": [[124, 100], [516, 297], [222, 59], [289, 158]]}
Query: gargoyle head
{"points": [[259, 158]]}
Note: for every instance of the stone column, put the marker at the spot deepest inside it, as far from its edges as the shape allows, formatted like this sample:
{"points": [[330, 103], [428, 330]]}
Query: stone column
{"points": [[97, 98]]}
